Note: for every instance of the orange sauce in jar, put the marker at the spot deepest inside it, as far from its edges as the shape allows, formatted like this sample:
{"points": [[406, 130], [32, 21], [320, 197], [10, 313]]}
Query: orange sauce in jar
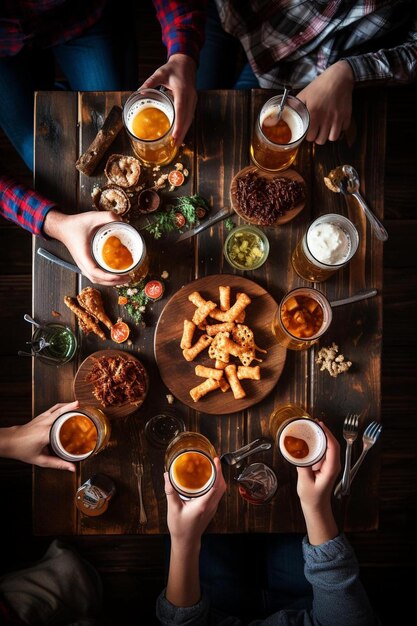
{"points": [[295, 446], [277, 133], [191, 470], [116, 255], [150, 124], [78, 435], [302, 316]]}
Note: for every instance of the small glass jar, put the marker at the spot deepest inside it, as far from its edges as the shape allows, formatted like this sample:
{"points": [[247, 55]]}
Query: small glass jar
{"points": [[246, 248], [189, 463], [79, 434], [62, 343], [93, 497], [161, 429]]}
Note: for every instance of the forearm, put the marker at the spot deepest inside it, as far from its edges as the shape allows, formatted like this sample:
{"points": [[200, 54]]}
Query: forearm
{"points": [[54, 224], [183, 587], [390, 66], [320, 523], [7, 442]]}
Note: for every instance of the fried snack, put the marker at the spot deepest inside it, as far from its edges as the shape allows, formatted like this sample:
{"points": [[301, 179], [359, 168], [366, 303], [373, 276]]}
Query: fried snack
{"points": [[202, 312], [233, 381], [216, 350], [208, 372], [224, 385], [253, 373], [117, 380], [225, 327], [196, 299], [224, 297], [111, 198], [187, 335], [204, 388], [90, 299], [202, 343], [122, 170], [87, 322], [220, 365], [240, 305]]}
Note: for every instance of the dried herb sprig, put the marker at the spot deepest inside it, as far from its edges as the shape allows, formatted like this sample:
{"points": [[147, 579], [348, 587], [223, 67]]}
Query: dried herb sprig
{"points": [[168, 220]]}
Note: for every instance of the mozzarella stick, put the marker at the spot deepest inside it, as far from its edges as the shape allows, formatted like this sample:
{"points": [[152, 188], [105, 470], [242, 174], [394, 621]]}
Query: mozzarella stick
{"points": [[226, 327], [190, 353], [201, 313], [239, 306], [253, 373], [224, 297], [187, 335], [201, 390], [208, 372], [233, 381]]}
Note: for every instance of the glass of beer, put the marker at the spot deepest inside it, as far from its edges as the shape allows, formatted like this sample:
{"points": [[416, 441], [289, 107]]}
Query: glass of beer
{"points": [[304, 314], [77, 435], [275, 141], [189, 463], [118, 248], [327, 245], [149, 116], [302, 441]]}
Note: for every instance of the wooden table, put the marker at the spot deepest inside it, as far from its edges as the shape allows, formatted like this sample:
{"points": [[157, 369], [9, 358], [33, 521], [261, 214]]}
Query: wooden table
{"points": [[217, 147]]}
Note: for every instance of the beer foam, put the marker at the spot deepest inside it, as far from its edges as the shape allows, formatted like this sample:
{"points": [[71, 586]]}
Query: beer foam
{"points": [[147, 103], [329, 243], [311, 433], [290, 117], [128, 238], [184, 488]]}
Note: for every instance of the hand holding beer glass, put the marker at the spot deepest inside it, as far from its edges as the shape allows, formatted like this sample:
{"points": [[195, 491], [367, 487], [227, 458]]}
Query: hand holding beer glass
{"points": [[190, 466], [276, 139]]}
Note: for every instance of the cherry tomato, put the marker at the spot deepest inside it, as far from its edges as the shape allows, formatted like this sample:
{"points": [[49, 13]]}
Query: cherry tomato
{"points": [[179, 220], [120, 331], [154, 289], [176, 178]]}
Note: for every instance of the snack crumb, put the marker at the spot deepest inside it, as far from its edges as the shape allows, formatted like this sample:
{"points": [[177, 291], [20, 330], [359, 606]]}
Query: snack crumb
{"points": [[164, 274], [170, 398], [55, 314], [330, 360]]}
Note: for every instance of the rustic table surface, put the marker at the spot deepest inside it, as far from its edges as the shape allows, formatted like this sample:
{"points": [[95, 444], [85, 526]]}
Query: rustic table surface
{"points": [[217, 147]]}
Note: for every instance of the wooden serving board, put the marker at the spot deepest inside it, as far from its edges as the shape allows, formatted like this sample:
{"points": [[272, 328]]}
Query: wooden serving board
{"points": [[289, 215], [179, 375], [83, 391]]}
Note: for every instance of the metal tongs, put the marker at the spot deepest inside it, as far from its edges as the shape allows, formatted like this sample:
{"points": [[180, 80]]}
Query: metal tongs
{"points": [[258, 445]]}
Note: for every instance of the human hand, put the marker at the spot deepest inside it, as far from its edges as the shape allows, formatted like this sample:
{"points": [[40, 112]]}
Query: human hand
{"points": [[187, 520], [29, 442], [328, 99], [179, 76], [76, 232]]}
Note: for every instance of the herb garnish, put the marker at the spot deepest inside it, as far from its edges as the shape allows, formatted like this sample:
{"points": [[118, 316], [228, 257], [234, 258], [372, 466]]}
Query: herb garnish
{"points": [[135, 300], [166, 221]]}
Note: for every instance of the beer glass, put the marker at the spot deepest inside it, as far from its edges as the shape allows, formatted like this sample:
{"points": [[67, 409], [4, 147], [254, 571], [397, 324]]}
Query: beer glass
{"points": [[301, 441], [79, 434], [149, 116], [275, 142], [189, 463], [118, 248], [327, 245], [304, 314]]}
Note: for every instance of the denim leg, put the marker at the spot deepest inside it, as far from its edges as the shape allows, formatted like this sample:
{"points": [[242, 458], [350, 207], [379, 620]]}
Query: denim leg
{"points": [[247, 79], [218, 57]]}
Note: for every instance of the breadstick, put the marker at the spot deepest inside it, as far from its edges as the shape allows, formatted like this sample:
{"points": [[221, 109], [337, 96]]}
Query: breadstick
{"points": [[202, 343], [187, 335], [213, 329], [208, 372], [233, 381], [89, 160], [224, 297], [201, 390], [202, 312], [253, 373], [88, 322]]}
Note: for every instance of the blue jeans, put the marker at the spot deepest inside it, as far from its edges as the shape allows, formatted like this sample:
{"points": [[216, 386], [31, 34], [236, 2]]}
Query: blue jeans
{"points": [[219, 57], [254, 576], [90, 62]]}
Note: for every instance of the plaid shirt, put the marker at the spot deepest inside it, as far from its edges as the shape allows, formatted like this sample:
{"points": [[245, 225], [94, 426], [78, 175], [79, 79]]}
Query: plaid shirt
{"points": [[23, 206], [289, 42]]}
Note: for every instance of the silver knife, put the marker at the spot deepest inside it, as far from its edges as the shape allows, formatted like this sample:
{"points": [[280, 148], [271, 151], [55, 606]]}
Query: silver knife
{"points": [[220, 215], [58, 261]]}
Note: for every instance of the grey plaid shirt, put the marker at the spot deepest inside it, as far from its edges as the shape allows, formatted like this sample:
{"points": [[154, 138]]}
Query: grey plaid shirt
{"points": [[290, 42]]}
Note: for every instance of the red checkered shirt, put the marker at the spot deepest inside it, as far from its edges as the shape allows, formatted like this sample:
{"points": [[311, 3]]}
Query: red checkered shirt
{"points": [[23, 206]]}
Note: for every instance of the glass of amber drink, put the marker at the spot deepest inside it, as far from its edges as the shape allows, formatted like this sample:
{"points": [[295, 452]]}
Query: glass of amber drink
{"points": [[303, 316], [118, 248], [275, 142], [189, 463], [76, 435], [149, 116], [301, 441]]}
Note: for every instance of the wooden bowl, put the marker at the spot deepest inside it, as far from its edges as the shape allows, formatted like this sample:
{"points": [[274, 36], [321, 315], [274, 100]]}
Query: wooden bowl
{"points": [[288, 215]]}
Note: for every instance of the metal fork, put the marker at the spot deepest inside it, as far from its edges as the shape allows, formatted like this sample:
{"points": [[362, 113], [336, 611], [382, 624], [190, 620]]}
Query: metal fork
{"points": [[350, 433], [142, 514], [369, 437]]}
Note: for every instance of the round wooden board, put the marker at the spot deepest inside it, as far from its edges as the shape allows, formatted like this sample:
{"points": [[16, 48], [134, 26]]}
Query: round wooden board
{"points": [[289, 215], [178, 374], [83, 391]]}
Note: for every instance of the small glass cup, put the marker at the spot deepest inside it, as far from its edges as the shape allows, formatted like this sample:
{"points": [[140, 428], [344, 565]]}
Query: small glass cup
{"points": [[161, 429], [274, 146], [257, 483], [189, 463], [118, 248], [246, 248], [301, 441], [79, 434], [304, 314], [149, 116], [62, 343], [328, 244]]}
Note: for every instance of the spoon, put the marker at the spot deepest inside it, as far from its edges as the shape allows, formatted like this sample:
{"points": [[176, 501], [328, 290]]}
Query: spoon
{"points": [[361, 295], [30, 319], [345, 179], [273, 118], [41, 344], [258, 445]]}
